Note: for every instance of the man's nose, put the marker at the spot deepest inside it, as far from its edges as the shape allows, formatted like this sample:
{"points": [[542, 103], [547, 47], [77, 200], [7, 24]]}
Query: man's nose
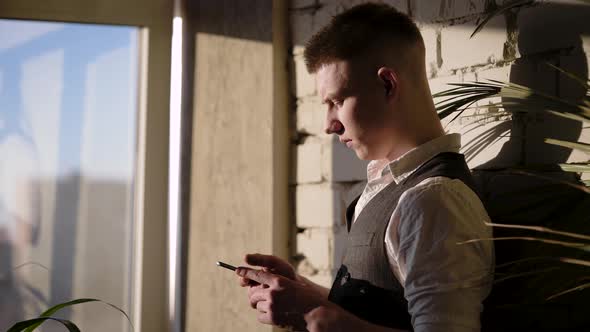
{"points": [[333, 126]]}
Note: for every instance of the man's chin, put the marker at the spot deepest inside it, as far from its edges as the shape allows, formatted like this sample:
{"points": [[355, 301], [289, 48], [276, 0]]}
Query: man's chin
{"points": [[362, 155]]}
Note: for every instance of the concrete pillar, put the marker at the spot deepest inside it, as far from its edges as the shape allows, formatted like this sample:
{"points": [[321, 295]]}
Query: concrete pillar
{"points": [[240, 149]]}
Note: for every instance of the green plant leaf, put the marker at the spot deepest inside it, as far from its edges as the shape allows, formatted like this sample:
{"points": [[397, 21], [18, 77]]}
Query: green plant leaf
{"points": [[575, 261], [580, 80], [583, 188], [569, 116], [57, 307], [540, 229], [35, 322], [576, 168], [515, 98], [577, 288], [500, 10], [572, 145], [20, 266], [544, 258], [575, 245], [524, 274]]}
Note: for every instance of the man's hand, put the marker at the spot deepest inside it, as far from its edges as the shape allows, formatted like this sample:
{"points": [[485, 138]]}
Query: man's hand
{"points": [[270, 264], [332, 318], [321, 319], [279, 300]]}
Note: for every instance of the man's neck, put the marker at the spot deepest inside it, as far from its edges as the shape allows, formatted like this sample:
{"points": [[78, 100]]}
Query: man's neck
{"points": [[402, 147]]}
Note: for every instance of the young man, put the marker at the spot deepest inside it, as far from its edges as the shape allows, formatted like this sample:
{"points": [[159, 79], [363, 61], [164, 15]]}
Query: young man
{"points": [[403, 268]]}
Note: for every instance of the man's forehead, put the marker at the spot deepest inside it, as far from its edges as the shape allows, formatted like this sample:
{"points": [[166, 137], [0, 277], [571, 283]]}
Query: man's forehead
{"points": [[332, 77]]}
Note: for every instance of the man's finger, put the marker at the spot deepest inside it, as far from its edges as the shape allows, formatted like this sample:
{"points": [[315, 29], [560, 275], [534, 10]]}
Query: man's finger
{"points": [[263, 307], [253, 289], [257, 297], [245, 282], [264, 318], [261, 277], [267, 261]]}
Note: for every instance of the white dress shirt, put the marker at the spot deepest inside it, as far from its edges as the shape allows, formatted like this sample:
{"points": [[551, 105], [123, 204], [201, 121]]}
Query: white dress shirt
{"points": [[444, 282]]}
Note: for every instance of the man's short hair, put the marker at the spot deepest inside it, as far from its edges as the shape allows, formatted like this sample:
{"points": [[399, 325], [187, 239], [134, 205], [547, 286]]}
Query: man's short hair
{"points": [[356, 31]]}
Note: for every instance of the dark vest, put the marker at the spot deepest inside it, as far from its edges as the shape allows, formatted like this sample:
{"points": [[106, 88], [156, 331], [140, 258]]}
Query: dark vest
{"points": [[365, 285]]}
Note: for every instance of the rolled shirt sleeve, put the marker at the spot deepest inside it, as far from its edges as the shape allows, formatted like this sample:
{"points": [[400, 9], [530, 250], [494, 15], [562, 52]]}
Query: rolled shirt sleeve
{"points": [[445, 282]]}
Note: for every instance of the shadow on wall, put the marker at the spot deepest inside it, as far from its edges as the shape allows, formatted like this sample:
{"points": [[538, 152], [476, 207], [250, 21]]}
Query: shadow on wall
{"points": [[549, 33], [539, 42], [545, 37]]}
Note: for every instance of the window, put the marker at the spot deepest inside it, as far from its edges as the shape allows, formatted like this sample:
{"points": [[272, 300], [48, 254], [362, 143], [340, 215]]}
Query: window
{"points": [[67, 142], [84, 160]]}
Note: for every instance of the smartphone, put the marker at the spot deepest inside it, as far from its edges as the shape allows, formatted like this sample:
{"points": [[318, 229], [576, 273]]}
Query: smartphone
{"points": [[227, 266]]}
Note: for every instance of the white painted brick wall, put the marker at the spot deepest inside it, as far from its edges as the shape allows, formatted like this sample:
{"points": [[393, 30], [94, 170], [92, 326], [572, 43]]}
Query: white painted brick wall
{"points": [[316, 245], [323, 205], [441, 83], [552, 25], [309, 161], [301, 3], [334, 7], [586, 48], [302, 23], [304, 82], [458, 50], [311, 115], [308, 21], [431, 33], [443, 10], [577, 155], [324, 158], [314, 205], [495, 73]]}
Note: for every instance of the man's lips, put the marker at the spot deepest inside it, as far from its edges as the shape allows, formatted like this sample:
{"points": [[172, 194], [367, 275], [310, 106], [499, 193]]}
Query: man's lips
{"points": [[346, 141]]}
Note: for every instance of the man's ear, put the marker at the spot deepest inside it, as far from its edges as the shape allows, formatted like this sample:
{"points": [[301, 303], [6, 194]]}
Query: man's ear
{"points": [[389, 80]]}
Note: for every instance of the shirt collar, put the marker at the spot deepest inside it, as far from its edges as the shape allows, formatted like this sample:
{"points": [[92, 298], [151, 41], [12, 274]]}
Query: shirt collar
{"points": [[405, 165]]}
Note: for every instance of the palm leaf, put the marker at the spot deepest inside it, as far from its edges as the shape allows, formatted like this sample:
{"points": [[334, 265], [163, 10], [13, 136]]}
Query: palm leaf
{"points": [[572, 145], [583, 82], [575, 261], [575, 245], [544, 258], [580, 187], [577, 288], [524, 274], [569, 116], [30, 263], [515, 98], [33, 323], [576, 168], [540, 229], [49, 312]]}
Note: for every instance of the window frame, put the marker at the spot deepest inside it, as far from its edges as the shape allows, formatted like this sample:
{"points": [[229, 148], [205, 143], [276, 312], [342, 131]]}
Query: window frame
{"points": [[153, 18]]}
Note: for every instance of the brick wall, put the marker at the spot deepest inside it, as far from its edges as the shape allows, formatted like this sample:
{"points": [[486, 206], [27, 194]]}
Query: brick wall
{"points": [[512, 47]]}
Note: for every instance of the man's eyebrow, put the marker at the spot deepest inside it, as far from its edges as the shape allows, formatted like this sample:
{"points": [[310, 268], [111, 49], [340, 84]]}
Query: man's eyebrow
{"points": [[327, 98], [332, 95]]}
